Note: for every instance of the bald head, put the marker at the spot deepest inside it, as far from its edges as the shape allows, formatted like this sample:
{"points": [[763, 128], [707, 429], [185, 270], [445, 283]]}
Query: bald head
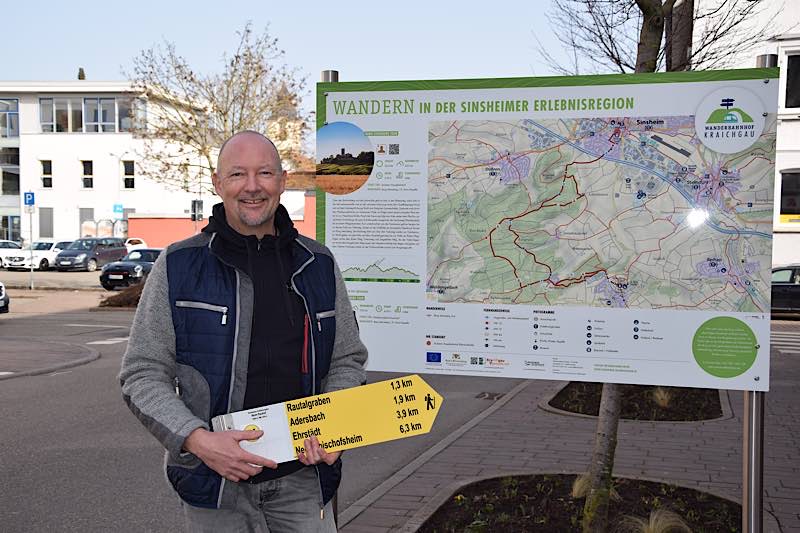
{"points": [[249, 179], [251, 134]]}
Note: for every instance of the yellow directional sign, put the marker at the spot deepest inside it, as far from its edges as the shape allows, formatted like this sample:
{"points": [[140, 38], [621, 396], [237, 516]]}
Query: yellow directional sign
{"points": [[350, 418]]}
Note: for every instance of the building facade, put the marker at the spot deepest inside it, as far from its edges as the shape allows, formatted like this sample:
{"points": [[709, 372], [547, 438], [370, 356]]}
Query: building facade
{"points": [[786, 244], [783, 18], [71, 145]]}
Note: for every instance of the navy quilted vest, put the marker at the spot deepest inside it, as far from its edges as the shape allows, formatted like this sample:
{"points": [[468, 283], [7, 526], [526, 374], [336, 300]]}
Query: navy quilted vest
{"points": [[203, 293]]}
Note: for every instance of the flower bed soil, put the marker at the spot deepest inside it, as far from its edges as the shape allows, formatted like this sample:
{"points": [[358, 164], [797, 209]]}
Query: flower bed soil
{"points": [[542, 503], [638, 402], [127, 297]]}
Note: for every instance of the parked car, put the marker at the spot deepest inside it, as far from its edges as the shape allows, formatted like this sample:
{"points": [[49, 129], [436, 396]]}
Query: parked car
{"points": [[89, 253], [134, 243], [786, 289], [5, 301], [44, 256], [132, 269], [8, 248]]}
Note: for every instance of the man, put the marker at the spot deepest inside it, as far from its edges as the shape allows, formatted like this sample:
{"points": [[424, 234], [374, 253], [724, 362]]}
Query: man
{"points": [[248, 313]]}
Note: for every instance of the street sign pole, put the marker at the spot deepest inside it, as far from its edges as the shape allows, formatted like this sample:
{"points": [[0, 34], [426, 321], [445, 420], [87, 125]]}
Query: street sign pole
{"points": [[753, 463], [30, 239], [29, 199]]}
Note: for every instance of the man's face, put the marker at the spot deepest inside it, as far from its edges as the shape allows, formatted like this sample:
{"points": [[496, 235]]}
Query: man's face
{"points": [[250, 184]]}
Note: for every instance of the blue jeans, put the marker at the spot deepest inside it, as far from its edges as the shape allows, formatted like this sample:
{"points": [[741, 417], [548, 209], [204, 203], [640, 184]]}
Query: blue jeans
{"points": [[292, 503]]}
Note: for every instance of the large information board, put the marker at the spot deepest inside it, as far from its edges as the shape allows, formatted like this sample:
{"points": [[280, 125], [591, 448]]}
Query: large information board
{"points": [[604, 228]]}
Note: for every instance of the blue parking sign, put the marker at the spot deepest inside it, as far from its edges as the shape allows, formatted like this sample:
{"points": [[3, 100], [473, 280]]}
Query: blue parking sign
{"points": [[28, 198]]}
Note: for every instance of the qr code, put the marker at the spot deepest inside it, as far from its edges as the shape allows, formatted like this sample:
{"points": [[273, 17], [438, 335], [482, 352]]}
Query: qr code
{"points": [[394, 149]]}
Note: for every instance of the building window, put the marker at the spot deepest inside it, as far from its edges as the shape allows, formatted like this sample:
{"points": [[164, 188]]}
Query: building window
{"points": [[9, 117], [46, 222], [60, 115], [9, 157], [47, 174], [46, 115], [10, 182], [10, 227], [88, 174], [793, 80], [790, 196], [77, 114], [129, 171], [87, 227], [125, 114], [100, 114]]}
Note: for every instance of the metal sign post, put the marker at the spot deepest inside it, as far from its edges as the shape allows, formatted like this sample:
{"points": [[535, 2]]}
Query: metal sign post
{"points": [[30, 240], [30, 207], [753, 447], [753, 463]]}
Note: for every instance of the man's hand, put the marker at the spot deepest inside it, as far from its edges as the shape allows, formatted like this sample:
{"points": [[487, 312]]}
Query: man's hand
{"points": [[220, 451], [316, 454]]}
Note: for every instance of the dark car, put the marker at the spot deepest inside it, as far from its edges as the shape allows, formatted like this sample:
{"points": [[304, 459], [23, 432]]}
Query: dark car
{"points": [[90, 252], [132, 269], [786, 289], [5, 301]]}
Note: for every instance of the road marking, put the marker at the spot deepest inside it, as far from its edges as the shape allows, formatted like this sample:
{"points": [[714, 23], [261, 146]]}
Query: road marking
{"points": [[5, 373], [93, 326], [793, 352], [112, 340]]}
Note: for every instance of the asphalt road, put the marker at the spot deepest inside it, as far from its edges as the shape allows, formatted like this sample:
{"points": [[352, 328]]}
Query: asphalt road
{"points": [[75, 459]]}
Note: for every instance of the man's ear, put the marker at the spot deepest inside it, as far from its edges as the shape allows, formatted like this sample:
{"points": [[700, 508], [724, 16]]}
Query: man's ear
{"points": [[283, 181], [216, 182]]}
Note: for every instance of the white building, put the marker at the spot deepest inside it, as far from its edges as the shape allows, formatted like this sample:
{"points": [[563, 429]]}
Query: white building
{"points": [[70, 144], [786, 244], [786, 221]]}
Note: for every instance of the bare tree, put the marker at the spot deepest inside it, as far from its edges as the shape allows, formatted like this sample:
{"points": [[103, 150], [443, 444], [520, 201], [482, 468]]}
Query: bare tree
{"points": [[644, 36], [189, 114], [606, 36]]}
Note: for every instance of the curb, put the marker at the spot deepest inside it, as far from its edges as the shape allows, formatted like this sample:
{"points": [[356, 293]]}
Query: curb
{"points": [[99, 309], [93, 356], [363, 503], [27, 287]]}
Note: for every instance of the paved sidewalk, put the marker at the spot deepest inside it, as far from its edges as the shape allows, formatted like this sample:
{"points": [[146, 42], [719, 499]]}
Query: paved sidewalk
{"points": [[520, 437], [51, 279], [26, 357]]}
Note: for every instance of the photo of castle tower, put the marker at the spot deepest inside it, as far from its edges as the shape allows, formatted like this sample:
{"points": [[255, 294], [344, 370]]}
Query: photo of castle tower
{"points": [[345, 158]]}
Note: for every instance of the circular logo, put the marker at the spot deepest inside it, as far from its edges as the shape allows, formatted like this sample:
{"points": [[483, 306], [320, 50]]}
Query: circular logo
{"points": [[725, 347], [729, 120], [252, 427]]}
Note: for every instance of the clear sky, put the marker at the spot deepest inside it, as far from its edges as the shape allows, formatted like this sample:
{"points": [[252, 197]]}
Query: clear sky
{"points": [[411, 39]]}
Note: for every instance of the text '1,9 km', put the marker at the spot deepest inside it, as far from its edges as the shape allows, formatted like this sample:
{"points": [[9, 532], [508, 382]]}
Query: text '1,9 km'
{"points": [[340, 420]]}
